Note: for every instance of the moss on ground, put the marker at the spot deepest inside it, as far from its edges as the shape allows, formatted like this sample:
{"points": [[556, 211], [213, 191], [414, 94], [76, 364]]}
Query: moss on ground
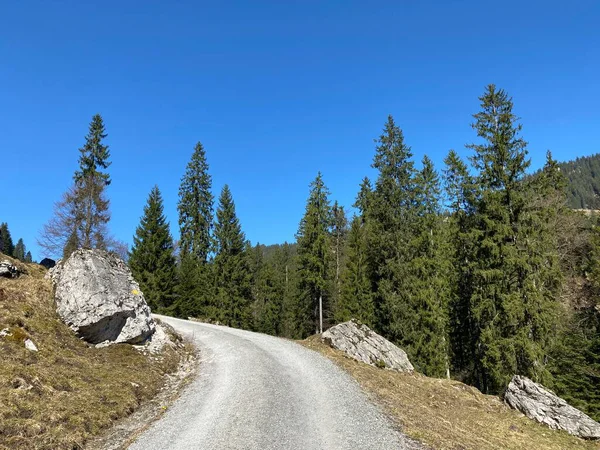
{"points": [[447, 414], [67, 392]]}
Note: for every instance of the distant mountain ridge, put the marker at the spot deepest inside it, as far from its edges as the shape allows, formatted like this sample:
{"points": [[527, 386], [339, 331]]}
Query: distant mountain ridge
{"points": [[583, 175]]}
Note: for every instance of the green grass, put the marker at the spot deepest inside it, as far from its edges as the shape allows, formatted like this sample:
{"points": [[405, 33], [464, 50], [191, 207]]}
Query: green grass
{"points": [[67, 392]]}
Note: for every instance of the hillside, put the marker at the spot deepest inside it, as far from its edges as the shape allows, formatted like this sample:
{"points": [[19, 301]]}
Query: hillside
{"points": [[66, 392], [447, 414], [583, 174]]}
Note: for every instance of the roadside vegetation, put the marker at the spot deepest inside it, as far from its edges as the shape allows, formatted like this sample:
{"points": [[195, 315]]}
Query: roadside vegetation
{"points": [[447, 414], [478, 269], [67, 391]]}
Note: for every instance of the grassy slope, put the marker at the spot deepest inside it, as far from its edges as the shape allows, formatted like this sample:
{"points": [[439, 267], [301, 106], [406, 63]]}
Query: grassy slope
{"points": [[447, 414], [67, 392]]}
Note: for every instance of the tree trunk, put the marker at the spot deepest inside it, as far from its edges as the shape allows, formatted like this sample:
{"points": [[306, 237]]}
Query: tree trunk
{"points": [[320, 313]]}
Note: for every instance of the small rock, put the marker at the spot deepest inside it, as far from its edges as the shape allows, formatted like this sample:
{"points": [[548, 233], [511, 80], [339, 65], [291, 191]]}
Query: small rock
{"points": [[29, 345], [5, 332], [21, 384], [361, 343], [542, 405], [8, 270]]}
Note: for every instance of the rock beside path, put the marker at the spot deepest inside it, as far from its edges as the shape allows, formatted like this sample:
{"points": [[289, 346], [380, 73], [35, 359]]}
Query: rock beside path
{"points": [[8, 269], [363, 344], [540, 404], [98, 298]]}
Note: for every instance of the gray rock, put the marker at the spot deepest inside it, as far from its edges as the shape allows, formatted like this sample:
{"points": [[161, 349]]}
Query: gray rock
{"points": [[29, 345], [361, 343], [47, 263], [540, 404], [8, 269], [98, 298]]}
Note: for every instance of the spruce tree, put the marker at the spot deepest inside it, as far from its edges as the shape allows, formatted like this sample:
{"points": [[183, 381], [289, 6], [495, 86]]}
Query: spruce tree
{"points": [[152, 259], [267, 294], [28, 257], [391, 218], [6, 243], [427, 279], [575, 358], [232, 274], [195, 209], [19, 250], [313, 260], [90, 184], [356, 299], [512, 296], [339, 232], [459, 187], [285, 265], [81, 216], [363, 199]]}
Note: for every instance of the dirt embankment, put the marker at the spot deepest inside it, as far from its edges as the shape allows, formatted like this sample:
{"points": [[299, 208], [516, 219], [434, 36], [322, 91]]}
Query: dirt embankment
{"points": [[67, 392]]}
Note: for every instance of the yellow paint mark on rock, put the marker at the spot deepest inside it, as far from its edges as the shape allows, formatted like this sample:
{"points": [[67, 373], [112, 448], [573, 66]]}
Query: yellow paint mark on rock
{"points": [[135, 292]]}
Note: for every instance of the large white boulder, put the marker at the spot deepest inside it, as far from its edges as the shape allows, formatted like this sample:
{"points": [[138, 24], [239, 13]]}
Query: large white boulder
{"points": [[540, 404], [363, 344], [98, 298]]}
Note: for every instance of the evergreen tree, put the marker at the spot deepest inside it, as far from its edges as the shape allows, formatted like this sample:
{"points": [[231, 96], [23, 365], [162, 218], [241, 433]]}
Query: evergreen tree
{"points": [[313, 260], [195, 209], [232, 274], [390, 220], [19, 251], [28, 257], [575, 359], [363, 200], [510, 302], [459, 187], [285, 265], [339, 232], [6, 243], [427, 279], [152, 260], [81, 216], [90, 184], [71, 244], [356, 299], [267, 295]]}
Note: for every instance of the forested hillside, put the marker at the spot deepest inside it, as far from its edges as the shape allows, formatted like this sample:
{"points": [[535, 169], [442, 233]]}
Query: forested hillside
{"points": [[583, 175], [476, 269]]}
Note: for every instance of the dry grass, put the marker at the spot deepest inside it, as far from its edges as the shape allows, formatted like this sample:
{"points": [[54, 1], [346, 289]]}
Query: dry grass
{"points": [[66, 392], [447, 414]]}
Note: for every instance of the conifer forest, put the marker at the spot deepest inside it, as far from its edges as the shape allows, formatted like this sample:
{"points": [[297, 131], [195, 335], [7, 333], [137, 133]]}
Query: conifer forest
{"points": [[479, 269]]}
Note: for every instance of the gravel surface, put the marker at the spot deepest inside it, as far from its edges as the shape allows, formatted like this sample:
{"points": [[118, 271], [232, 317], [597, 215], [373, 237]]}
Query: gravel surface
{"points": [[261, 392]]}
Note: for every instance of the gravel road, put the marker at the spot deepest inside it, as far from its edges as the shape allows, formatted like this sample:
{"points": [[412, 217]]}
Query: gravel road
{"points": [[256, 391]]}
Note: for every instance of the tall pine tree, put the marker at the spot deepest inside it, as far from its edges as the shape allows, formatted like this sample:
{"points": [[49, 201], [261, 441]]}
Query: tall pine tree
{"points": [[6, 243], [339, 233], [90, 184], [512, 293], [231, 270], [356, 299], [313, 260], [152, 259], [267, 294], [19, 251], [459, 187], [195, 209], [390, 218], [427, 277]]}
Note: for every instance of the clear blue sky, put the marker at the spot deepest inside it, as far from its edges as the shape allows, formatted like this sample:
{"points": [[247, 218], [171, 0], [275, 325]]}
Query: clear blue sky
{"points": [[276, 91]]}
